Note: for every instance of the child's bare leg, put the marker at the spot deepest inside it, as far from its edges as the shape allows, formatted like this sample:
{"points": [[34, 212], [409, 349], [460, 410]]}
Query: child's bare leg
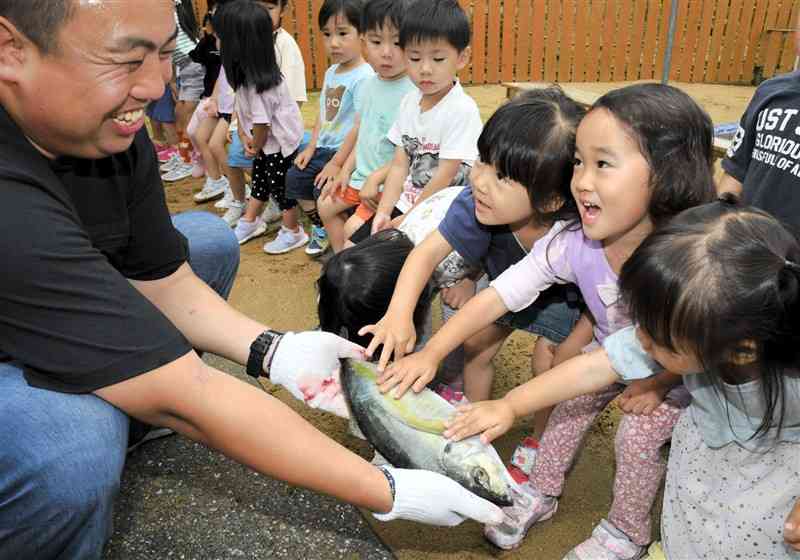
{"points": [[331, 212], [253, 210], [541, 361], [350, 227], [158, 131], [170, 133], [479, 350], [290, 219], [202, 139], [236, 181], [216, 144]]}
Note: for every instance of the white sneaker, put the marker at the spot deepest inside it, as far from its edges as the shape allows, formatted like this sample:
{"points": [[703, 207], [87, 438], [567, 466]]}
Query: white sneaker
{"points": [[234, 212], [226, 199], [607, 543], [182, 171], [286, 240], [173, 161], [212, 189], [245, 231], [530, 506], [271, 211]]}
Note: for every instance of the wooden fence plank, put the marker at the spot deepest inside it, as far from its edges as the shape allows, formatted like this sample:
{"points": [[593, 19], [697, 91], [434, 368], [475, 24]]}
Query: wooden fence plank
{"points": [[566, 47], [774, 39], [553, 24], [636, 42], [740, 49], [582, 33], [608, 40], [703, 42], [509, 38], [789, 53], [493, 46], [717, 31], [650, 40], [685, 61], [754, 44], [479, 42], [522, 68], [319, 55], [622, 38], [729, 40], [536, 72], [301, 14]]}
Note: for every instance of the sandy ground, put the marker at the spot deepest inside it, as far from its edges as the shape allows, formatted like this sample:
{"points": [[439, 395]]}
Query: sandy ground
{"points": [[280, 291]]}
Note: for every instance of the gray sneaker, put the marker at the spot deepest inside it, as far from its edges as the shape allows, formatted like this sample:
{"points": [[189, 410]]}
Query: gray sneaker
{"points": [[245, 231], [234, 212], [530, 507], [285, 241], [318, 242]]}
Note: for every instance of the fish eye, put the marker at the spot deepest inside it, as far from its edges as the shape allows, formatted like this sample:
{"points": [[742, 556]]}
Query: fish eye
{"points": [[480, 477], [448, 447]]}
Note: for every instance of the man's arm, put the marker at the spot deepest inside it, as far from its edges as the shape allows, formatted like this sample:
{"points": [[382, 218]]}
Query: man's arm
{"points": [[239, 420]]}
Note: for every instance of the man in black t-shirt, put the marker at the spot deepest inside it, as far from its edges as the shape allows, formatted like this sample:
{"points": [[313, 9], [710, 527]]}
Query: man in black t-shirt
{"points": [[763, 162], [102, 299]]}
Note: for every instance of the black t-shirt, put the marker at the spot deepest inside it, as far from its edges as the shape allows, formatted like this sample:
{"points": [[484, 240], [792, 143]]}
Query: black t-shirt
{"points": [[207, 54], [765, 153], [72, 232]]}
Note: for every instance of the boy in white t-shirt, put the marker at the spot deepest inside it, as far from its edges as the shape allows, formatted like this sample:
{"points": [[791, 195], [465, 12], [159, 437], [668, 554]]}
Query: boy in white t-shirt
{"points": [[437, 127]]}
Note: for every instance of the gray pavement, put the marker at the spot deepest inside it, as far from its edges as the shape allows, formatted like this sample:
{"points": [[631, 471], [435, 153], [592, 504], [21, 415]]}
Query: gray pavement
{"points": [[180, 500]]}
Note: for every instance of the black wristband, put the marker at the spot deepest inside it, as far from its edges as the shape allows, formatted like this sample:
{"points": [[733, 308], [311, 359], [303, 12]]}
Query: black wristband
{"points": [[264, 345], [390, 478]]}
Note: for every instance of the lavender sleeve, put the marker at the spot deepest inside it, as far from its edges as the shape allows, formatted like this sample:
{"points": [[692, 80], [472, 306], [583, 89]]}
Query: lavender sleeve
{"points": [[546, 264]]}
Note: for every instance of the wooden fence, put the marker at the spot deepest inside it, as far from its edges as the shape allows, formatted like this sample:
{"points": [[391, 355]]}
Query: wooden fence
{"points": [[716, 41]]}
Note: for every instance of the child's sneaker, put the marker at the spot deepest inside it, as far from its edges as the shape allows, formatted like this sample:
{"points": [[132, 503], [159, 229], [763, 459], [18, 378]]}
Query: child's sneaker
{"points": [[181, 171], [606, 543], [286, 240], [245, 231], [523, 459], [271, 212], [234, 212], [226, 199], [172, 162], [318, 243], [212, 188], [530, 506], [166, 153]]}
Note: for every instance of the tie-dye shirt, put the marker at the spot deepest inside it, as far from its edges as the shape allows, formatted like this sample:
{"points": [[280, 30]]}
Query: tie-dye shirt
{"points": [[567, 256]]}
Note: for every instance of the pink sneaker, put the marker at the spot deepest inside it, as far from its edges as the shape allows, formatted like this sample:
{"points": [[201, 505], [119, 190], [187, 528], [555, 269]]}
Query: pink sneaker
{"points": [[606, 543], [166, 154], [530, 507]]}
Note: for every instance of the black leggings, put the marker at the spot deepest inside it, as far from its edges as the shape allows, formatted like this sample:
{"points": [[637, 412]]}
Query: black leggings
{"points": [[269, 178]]}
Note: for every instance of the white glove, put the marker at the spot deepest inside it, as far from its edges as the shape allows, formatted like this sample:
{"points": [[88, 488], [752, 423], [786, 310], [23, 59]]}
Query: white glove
{"points": [[432, 498], [307, 365]]}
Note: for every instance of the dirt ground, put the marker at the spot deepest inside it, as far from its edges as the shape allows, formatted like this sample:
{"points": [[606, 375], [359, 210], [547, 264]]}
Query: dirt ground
{"points": [[280, 291]]}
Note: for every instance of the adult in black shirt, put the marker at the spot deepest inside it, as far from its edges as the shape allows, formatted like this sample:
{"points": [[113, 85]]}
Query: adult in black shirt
{"points": [[100, 309]]}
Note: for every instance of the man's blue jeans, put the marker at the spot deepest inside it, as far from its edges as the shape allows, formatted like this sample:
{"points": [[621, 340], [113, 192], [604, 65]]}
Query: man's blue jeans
{"points": [[61, 456]]}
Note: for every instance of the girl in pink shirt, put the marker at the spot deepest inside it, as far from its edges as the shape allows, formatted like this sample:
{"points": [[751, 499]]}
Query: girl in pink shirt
{"points": [[270, 124]]}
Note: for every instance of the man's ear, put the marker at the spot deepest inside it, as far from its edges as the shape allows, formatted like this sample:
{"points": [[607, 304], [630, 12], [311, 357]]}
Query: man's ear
{"points": [[13, 47]]}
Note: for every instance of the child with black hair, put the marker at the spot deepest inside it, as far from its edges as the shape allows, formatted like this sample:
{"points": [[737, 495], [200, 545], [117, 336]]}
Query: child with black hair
{"points": [[333, 136], [270, 125], [715, 297], [643, 154], [437, 127], [377, 103], [519, 187]]}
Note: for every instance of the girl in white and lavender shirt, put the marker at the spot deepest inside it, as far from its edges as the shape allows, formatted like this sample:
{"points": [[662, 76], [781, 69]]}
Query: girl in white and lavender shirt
{"points": [[643, 154]]}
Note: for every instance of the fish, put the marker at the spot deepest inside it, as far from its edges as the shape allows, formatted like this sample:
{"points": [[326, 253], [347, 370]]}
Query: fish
{"points": [[408, 433]]}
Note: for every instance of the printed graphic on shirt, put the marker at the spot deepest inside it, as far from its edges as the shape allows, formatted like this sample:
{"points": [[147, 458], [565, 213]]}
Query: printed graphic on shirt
{"points": [[333, 100], [423, 160], [777, 140]]}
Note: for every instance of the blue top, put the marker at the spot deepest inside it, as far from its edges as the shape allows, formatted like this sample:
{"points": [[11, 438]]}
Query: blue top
{"points": [[722, 412], [337, 108]]}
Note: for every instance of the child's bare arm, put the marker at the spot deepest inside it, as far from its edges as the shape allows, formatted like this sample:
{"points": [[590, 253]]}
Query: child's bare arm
{"points": [[580, 336], [442, 178], [335, 164], [396, 329], [581, 375], [370, 193], [392, 189], [643, 396], [305, 156]]}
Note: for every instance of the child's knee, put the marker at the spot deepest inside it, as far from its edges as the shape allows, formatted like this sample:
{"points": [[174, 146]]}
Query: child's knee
{"points": [[543, 353]]}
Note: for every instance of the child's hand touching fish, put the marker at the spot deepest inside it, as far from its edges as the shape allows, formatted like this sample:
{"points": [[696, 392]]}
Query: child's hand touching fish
{"points": [[414, 371], [489, 418]]}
